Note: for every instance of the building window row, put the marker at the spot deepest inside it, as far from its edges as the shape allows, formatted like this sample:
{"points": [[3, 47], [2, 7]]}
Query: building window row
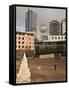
{"points": [[28, 38], [23, 42], [20, 42], [24, 46], [25, 34], [57, 38], [20, 38]]}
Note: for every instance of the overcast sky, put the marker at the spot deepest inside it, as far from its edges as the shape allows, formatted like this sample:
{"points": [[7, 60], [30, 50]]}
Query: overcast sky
{"points": [[44, 16]]}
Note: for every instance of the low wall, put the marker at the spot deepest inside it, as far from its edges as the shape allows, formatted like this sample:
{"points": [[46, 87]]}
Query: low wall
{"points": [[47, 56]]}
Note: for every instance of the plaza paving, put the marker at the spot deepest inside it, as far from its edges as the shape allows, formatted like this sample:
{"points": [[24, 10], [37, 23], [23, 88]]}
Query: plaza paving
{"points": [[46, 70]]}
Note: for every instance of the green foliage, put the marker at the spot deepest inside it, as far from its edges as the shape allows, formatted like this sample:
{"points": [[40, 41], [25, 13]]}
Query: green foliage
{"points": [[49, 49]]}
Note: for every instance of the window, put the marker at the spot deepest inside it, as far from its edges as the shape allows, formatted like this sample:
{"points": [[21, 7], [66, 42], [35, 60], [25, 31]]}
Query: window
{"points": [[29, 46], [30, 43], [52, 37], [58, 37], [19, 46], [26, 46], [22, 46], [19, 37], [19, 42], [22, 42], [61, 37], [22, 38], [55, 37]]}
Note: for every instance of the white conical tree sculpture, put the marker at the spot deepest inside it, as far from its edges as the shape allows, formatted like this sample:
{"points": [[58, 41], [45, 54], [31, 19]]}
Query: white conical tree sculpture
{"points": [[24, 75]]}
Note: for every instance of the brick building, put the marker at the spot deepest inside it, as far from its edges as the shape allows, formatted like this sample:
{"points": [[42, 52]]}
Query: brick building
{"points": [[25, 40], [25, 43]]}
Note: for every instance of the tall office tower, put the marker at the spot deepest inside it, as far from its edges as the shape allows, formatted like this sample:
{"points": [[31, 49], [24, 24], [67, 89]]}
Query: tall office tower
{"points": [[63, 26], [55, 28], [31, 21]]}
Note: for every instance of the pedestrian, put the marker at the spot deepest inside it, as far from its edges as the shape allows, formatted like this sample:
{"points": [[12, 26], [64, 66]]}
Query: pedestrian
{"points": [[55, 67]]}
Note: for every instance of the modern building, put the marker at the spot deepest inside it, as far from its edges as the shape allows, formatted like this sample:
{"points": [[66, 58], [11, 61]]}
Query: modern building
{"points": [[31, 20], [56, 38], [63, 26], [55, 27], [25, 41], [54, 43]]}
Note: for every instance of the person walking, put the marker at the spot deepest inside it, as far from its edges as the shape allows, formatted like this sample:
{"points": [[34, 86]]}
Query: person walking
{"points": [[55, 67]]}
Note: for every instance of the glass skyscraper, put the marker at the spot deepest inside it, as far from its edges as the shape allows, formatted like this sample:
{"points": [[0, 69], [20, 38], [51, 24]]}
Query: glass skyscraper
{"points": [[31, 21]]}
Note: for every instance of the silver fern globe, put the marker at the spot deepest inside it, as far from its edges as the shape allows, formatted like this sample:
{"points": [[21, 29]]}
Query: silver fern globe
{"points": [[43, 28]]}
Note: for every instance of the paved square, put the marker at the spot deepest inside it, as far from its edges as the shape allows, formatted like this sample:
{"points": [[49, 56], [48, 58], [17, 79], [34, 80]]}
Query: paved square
{"points": [[45, 70]]}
